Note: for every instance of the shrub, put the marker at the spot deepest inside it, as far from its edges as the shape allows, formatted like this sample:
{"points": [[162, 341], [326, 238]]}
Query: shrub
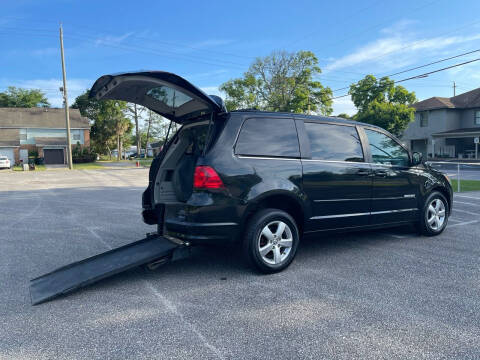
{"points": [[83, 155]]}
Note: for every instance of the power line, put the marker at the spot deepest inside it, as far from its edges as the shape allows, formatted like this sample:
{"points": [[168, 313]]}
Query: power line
{"points": [[422, 75], [421, 66], [416, 43], [167, 43], [435, 62], [161, 52]]}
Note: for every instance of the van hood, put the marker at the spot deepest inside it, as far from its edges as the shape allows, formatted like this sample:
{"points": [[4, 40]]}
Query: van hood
{"points": [[165, 93]]}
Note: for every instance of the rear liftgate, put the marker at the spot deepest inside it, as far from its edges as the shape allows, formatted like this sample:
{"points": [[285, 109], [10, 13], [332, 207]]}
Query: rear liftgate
{"points": [[153, 250]]}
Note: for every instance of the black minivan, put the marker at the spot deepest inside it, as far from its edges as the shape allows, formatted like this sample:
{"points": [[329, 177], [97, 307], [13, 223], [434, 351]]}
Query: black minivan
{"points": [[268, 179]]}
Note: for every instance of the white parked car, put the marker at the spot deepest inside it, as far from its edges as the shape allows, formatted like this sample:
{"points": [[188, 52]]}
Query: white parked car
{"points": [[4, 162]]}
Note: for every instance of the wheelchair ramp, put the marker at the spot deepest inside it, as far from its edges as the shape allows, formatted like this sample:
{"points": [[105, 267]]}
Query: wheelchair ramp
{"points": [[85, 272]]}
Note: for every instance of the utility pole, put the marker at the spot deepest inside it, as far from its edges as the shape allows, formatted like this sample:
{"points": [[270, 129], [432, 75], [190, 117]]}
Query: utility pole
{"points": [[65, 102], [454, 87]]}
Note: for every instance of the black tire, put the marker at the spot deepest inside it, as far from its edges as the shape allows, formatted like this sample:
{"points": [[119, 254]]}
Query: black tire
{"points": [[252, 240], [423, 225]]}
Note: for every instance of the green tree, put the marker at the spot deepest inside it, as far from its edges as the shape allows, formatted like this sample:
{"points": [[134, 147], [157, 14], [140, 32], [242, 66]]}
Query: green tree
{"points": [[109, 123], [26, 98], [380, 102], [344, 116], [281, 81], [156, 128], [135, 111], [123, 128]]}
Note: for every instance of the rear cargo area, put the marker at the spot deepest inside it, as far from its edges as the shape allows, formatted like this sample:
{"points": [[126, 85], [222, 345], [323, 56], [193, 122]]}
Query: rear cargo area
{"points": [[174, 179]]}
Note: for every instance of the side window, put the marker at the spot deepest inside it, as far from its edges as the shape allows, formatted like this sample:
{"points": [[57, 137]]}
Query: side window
{"points": [[268, 137], [477, 117], [424, 119], [334, 142], [385, 150]]}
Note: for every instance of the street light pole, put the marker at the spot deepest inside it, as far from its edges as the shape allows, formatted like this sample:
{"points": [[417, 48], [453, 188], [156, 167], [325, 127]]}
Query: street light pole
{"points": [[65, 102]]}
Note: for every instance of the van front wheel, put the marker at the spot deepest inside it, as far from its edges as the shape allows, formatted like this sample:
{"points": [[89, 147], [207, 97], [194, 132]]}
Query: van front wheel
{"points": [[434, 215], [271, 240]]}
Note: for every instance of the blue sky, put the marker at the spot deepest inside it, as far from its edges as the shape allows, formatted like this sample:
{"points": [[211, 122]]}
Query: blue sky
{"points": [[211, 42]]}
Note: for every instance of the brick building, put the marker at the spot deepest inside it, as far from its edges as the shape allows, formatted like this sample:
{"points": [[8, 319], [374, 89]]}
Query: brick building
{"points": [[42, 130]]}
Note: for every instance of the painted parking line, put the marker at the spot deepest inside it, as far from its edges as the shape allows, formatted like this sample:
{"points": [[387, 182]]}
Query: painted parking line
{"points": [[454, 220], [464, 223], [465, 203], [465, 212], [467, 197]]}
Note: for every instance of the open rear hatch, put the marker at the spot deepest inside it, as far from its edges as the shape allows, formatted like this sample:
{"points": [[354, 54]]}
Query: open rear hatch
{"points": [[171, 173], [164, 93]]}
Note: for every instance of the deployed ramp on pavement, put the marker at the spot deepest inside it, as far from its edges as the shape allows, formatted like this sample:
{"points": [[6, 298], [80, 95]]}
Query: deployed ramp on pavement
{"points": [[93, 269]]}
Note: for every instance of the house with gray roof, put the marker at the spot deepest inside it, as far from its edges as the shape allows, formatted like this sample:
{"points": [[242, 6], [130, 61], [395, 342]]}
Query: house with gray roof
{"points": [[445, 127], [41, 130]]}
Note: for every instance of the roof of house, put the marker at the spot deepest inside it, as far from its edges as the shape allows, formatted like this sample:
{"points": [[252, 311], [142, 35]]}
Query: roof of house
{"points": [[466, 100], [48, 118]]}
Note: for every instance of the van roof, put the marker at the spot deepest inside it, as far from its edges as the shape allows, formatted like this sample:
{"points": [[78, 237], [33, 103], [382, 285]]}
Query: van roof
{"points": [[333, 119]]}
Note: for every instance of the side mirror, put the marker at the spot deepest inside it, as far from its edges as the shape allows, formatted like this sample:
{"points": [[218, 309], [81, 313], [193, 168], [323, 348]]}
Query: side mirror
{"points": [[416, 158]]}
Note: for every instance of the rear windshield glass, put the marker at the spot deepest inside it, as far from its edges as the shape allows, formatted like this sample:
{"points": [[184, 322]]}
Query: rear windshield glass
{"points": [[171, 97], [268, 137]]}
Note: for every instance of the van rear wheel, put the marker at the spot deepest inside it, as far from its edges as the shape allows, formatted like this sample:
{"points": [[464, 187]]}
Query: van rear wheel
{"points": [[271, 240]]}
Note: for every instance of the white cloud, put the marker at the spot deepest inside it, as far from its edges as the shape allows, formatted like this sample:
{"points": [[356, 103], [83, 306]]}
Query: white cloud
{"points": [[210, 43], [399, 26], [46, 51], [344, 105], [397, 49], [112, 39], [203, 45]]}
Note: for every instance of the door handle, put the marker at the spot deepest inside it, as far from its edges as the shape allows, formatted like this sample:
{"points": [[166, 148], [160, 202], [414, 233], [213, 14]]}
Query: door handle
{"points": [[381, 173], [363, 172]]}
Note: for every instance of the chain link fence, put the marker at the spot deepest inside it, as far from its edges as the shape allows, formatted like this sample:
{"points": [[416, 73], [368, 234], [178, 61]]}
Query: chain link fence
{"points": [[465, 176]]}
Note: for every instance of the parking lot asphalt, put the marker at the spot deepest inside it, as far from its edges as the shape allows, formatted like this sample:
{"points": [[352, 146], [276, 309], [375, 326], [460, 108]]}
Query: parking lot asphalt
{"points": [[386, 294]]}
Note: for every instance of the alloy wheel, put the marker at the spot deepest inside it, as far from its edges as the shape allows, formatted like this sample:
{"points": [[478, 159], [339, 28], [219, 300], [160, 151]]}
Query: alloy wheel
{"points": [[275, 242], [436, 214]]}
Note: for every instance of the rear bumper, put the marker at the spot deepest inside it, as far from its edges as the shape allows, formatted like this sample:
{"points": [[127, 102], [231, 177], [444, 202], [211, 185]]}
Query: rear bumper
{"points": [[196, 232]]}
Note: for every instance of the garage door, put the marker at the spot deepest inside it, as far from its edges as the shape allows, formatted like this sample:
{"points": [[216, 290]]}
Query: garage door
{"points": [[8, 152], [53, 156]]}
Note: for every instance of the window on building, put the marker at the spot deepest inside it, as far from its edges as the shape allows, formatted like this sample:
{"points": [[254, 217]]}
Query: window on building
{"points": [[334, 142], [424, 119], [477, 117], [268, 137], [23, 136], [76, 137], [386, 150]]}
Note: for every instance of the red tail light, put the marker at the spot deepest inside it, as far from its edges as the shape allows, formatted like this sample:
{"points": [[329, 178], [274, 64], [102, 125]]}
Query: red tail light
{"points": [[205, 177]]}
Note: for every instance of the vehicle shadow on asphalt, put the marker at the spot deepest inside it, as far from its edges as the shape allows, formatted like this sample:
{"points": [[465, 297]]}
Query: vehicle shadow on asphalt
{"points": [[223, 263]]}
